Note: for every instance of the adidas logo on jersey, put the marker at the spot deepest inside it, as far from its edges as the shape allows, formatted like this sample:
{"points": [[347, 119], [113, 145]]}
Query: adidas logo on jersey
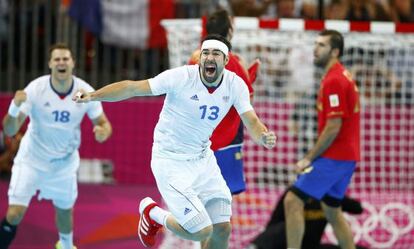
{"points": [[195, 97], [226, 98], [47, 104], [186, 211]]}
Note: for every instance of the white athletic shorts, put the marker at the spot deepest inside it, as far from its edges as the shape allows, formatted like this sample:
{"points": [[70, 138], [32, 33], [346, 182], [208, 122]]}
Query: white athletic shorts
{"points": [[187, 186], [56, 181]]}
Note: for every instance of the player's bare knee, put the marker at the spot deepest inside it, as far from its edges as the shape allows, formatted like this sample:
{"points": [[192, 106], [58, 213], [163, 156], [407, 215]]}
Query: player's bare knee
{"points": [[203, 234], [15, 214], [292, 203], [222, 230], [333, 215]]}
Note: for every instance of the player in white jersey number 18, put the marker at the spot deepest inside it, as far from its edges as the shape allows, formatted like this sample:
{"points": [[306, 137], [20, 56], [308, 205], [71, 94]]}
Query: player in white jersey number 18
{"points": [[48, 158]]}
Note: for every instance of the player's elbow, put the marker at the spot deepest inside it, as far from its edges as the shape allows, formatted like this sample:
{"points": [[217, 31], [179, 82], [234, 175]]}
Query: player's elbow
{"points": [[333, 127], [140, 88], [334, 130]]}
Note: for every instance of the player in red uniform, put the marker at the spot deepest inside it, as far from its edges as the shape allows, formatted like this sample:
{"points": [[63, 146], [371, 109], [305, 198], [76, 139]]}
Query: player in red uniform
{"points": [[326, 170], [227, 138]]}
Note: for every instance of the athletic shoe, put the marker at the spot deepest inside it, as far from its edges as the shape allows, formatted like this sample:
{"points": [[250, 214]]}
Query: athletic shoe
{"points": [[59, 246], [147, 227]]}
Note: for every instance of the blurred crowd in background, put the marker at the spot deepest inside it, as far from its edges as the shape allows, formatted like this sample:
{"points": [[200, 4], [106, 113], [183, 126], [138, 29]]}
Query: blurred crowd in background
{"points": [[119, 39], [353, 10]]}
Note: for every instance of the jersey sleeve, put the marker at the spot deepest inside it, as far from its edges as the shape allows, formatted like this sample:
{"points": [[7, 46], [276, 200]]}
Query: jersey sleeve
{"points": [[334, 98], [167, 81], [242, 96]]}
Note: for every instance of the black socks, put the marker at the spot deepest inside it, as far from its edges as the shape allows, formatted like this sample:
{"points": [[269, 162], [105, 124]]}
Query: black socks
{"points": [[7, 234]]}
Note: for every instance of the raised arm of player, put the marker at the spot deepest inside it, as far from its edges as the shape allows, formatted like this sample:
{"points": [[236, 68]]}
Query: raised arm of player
{"points": [[257, 130], [14, 119], [115, 92]]}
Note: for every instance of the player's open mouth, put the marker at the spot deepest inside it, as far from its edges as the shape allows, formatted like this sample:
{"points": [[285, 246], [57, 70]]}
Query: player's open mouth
{"points": [[62, 70], [210, 69]]}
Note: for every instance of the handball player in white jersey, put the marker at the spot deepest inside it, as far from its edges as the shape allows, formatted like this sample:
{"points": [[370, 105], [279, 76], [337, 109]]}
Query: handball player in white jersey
{"points": [[184, 166], [48, 156]]}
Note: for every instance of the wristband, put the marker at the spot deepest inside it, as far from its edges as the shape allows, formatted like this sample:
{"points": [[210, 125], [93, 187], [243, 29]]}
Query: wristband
{"points": [[14, 110]]}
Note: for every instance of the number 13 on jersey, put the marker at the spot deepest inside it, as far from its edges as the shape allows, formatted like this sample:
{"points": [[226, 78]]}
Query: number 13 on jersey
{"points": [[211, 112]]}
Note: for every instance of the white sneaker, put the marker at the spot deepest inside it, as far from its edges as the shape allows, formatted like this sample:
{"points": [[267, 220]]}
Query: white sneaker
{"points": [[59, 245]]}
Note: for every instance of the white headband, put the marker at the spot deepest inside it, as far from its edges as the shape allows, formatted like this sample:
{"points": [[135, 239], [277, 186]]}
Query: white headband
{"points": [[215, 44]]}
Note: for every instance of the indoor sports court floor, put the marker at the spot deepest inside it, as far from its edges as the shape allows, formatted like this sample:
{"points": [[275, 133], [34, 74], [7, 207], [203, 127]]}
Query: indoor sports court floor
{"points": [[105, 218]]}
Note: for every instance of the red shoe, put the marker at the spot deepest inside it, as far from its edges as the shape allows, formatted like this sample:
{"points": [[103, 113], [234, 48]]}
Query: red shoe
{"points": [[147, 227]]}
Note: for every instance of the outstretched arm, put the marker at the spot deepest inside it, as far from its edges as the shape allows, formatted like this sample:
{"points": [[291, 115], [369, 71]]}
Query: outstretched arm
{"points": [[258, 130], [115, 92]]}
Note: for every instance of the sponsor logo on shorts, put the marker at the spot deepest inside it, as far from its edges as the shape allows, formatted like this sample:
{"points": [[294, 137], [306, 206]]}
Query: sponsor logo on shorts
{"points": [[186, 211]]}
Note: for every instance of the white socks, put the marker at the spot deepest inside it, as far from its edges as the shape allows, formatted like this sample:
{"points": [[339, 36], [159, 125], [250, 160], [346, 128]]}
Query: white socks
{"points": [[159, 215], [66, 240]]}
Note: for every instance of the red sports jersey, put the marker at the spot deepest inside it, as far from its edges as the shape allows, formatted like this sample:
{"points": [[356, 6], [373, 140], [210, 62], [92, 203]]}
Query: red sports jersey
{"points": [[338, 97], [226, 132]]}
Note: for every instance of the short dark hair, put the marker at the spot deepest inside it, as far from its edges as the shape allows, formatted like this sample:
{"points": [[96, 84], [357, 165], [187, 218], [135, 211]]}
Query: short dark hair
{"points": [[219, 23], [60, 45], [219, 38], [336, 39]]}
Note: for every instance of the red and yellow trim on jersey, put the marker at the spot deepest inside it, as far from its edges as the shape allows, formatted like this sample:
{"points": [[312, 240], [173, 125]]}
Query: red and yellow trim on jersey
{"points": [[335, 114]]}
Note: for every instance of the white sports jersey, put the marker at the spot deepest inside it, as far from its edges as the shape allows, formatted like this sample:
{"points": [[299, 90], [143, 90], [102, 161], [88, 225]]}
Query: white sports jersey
{"points": [[190, 113], [54, 129]]}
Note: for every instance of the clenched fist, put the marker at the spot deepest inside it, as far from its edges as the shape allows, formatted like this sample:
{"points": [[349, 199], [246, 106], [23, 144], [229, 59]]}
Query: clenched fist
{"points": [[81, 96], [101, 134], [268, 139], [19, 97]]}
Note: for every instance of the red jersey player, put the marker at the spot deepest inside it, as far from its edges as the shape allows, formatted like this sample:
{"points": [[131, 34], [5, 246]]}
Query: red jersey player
{"points": [[327, 169], [227, 138]]}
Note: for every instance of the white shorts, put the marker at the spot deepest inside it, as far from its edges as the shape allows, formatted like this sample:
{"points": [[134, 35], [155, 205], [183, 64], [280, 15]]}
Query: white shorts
{"points": [[187, 186], [57, 183]]}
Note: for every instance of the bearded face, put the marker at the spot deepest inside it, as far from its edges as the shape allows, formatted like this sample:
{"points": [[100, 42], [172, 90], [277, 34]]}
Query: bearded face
{"points": [[212, 62], [322, 51]]}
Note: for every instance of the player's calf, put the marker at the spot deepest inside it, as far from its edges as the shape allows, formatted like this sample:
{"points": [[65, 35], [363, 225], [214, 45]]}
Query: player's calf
{"points": [[15, 214]]}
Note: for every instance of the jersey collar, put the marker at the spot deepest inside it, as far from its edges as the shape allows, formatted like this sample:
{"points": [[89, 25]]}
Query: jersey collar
{"points": [[62, 95], [213, 88]]}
